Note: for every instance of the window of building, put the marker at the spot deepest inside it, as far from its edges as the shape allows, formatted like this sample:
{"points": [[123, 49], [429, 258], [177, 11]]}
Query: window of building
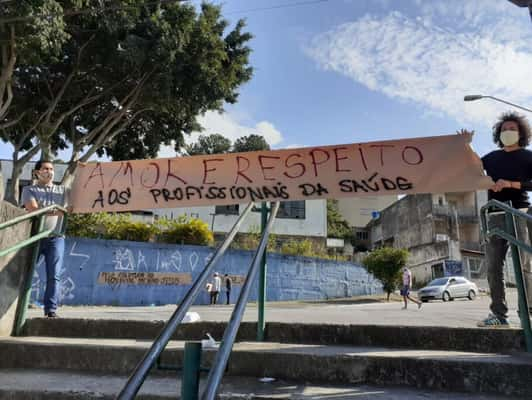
{"points": [[437, 270], [292, 209], [287, 209], [231, 209], [362, 235]]}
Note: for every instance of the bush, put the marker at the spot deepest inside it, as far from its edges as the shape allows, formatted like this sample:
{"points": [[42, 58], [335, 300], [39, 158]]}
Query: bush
{"points": [[122, 227], [386, 264], [298, 248], [193, 231]]}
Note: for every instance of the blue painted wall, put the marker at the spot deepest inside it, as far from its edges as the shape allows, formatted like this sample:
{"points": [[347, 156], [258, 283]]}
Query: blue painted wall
{"points": [[289, 278]]}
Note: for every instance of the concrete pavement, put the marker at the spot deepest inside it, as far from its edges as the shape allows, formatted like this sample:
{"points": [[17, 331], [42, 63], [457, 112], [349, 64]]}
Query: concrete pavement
{"points": [[26, 385], [458, 313]]}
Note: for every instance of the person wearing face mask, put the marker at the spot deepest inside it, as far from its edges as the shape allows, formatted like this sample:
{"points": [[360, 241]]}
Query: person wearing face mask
{"points": [[41, 194], [510, 167]]}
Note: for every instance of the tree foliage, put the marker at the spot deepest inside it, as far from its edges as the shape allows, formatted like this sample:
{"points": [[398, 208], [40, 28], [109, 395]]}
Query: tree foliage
{"points": [[386, 264], [337, 226], [219, 144], [211, 144], [250, 143], [116, 78]]}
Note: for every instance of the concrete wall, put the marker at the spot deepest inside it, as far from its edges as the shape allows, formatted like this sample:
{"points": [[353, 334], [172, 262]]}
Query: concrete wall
{"points": [[423, 257], [289, 278], [406, 223], [12, 266], [314, 223]]}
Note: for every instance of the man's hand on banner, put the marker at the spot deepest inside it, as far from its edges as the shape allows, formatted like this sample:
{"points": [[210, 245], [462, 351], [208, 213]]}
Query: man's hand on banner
{"points": [[501, 184], [466, 133]]}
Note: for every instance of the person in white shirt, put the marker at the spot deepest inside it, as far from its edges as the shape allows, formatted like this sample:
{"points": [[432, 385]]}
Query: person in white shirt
{"points": [[216, 288], [405, 290]]}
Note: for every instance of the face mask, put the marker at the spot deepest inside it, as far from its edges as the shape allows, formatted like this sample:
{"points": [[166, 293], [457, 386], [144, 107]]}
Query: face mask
{"points": [[46, 176], [509, 138]]}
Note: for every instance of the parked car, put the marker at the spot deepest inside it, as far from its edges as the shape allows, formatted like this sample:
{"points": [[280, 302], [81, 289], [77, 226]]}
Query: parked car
{"points": [[448, 288]]}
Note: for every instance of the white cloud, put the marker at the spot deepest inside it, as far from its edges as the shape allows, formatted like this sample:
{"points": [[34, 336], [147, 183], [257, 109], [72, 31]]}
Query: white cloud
{"points": [[230, 126], [449, 49]]}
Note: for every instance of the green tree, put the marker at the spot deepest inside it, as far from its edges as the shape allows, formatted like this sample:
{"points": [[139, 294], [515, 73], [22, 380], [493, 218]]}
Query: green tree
{"points": [[337, 226], [386, 264], [250, 143], [123, 78], [211, 144]]}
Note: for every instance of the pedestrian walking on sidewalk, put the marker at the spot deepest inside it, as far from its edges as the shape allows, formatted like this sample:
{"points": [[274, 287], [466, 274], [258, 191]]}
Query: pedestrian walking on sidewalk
{"points": [[405, 289]]}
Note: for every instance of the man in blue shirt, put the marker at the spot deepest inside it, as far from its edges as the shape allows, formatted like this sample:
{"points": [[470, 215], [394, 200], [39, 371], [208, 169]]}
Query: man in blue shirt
{"points": [[42, 194]]}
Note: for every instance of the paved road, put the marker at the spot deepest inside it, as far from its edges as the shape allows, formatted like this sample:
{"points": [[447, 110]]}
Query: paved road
{"points": [[458, 313]]}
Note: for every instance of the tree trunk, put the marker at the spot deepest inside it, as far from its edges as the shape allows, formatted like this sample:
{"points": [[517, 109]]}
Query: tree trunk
{"points": [[1, 184], [68, 177], [388, 297], [46, 151], [12, 192]]}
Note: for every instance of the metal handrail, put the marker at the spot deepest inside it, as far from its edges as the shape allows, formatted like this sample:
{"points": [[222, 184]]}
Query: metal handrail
{"points": [[30, 215], [510, 235], [138, 376], [35, 238], [20, 314], [222, 356]]}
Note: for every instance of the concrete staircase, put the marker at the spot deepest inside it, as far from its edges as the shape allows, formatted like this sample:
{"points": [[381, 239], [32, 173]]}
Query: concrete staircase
{"points": [[89, 359]]}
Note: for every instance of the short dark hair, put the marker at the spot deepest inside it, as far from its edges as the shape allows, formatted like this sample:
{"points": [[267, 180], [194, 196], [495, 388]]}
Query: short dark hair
{"points": [[38, 164], [522, 123]]}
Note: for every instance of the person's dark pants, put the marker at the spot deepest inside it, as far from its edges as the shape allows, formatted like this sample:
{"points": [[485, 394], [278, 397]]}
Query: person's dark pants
{"points": [[495, 255], [228, 294], [214, 297], [52, 249]]}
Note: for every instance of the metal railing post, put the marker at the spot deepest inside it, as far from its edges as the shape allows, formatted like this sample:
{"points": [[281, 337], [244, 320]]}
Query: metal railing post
{"points": [[520, 282], [222, 356], [509, 234], [138, 376], [20, 316], [191, 371], [261, 295]]}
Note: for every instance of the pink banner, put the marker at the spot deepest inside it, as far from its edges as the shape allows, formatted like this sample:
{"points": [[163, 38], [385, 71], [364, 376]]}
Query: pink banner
{"points": [[423, 165]]}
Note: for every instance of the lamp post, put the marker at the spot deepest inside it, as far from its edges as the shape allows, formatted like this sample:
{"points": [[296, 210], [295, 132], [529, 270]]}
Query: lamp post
{"points": [[473, 97]]}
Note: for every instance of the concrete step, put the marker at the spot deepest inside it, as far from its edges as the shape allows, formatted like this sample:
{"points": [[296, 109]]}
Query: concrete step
{"points": [[429, 369], [16, 384], [415, 337]]}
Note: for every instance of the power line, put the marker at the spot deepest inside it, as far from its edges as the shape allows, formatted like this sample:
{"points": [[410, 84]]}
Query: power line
{"points": [[278, 6]]}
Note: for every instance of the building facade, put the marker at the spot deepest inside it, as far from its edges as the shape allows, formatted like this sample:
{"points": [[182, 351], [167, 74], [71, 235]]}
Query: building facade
{"points": [[441, 232], [359, 211], [306, 218]]}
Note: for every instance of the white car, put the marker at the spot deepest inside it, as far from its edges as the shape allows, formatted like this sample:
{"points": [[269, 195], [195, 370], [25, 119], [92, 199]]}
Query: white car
{"points": [[448, 288]]}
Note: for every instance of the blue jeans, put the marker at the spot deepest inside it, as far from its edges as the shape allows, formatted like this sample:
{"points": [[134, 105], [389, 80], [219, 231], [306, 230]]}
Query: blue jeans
{"points": [[52, 249]]}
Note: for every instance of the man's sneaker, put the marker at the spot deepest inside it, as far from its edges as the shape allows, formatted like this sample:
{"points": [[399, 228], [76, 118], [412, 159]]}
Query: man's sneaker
{"points": [[419, 305], [51, 314], [493, 322]]}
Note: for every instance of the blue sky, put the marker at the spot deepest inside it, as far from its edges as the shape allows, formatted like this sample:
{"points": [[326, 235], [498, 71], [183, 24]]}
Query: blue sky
{"points": [[343, 71]]}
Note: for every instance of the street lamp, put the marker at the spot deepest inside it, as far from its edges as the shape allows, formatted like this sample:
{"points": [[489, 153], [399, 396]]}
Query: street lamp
{"points": [[473, 97]]}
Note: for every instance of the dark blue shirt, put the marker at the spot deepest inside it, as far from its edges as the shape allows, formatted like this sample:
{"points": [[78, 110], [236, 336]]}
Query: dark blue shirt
{"points": [[515, 166]]}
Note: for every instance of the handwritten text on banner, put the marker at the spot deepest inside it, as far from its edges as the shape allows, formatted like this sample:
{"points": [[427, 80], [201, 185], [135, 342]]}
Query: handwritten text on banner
{"points": [[423, 165]]}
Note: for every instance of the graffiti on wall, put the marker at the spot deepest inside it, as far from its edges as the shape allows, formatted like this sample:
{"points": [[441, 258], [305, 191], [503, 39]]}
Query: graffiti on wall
{"points": [[143, 278]]}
